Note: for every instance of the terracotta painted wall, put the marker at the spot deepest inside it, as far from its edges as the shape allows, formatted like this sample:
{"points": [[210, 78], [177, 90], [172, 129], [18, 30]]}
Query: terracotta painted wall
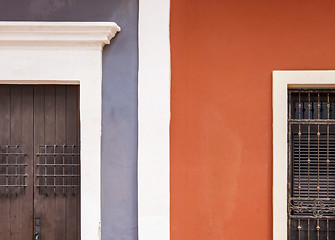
{"points": [[223, 55]]}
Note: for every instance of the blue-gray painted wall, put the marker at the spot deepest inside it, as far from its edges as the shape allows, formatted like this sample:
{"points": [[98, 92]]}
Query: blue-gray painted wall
{"points": [[119, 99]]}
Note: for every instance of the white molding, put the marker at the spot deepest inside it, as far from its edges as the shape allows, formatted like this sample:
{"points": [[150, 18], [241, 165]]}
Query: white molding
{"points": [[57, 33], [65, 53], [282, 81], [154, 121]]}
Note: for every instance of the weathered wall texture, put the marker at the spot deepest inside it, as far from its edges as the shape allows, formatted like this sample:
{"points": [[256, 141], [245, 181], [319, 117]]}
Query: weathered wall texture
{"points": [[223, 54], [119, 123]]}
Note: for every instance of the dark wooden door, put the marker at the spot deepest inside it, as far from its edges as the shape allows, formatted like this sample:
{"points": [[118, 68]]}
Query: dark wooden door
{"points": [[39, 162]]}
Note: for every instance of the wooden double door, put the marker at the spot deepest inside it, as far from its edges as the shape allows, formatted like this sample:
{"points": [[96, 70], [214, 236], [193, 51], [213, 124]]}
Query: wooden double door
{"points": [[39, 162]]}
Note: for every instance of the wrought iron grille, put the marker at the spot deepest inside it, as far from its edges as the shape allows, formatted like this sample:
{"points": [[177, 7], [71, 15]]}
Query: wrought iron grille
{"points": [[58, 169], [311, 161], [12, 170]]}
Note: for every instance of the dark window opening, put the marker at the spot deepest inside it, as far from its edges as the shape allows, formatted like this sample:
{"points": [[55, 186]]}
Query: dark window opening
{"points": [[311, 165]]}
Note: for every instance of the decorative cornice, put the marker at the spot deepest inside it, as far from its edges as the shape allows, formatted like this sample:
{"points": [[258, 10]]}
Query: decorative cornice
{"points": [[57, 33]]}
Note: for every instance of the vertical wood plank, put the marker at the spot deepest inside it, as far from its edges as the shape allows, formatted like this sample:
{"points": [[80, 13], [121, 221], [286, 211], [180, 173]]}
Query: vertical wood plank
{"points": [[4, 140], [50, 139], [60, 212], [15, 140], [73, 201], [27, 228], [39, 126]]}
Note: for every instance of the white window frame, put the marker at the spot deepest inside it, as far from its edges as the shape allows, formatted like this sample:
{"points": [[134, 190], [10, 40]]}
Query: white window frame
{"points": [[282, 81], [65, 53]]}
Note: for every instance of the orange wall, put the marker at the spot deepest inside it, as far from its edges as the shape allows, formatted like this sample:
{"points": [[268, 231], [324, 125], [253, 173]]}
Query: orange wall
{"points": [[223, 54]]}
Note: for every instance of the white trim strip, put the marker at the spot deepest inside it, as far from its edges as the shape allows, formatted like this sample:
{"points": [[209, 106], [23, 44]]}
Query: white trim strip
{"points": [[282, 80], [154, 120]]}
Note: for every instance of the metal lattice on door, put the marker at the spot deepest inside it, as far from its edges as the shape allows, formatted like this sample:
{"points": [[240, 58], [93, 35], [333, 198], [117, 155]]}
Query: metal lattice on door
{"points": [[12, 170], [58, 169]]}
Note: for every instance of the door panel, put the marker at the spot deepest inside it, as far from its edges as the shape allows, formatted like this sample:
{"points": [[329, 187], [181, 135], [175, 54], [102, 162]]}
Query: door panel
{"points": [[43, 121], [57, 137], [16, 134]]}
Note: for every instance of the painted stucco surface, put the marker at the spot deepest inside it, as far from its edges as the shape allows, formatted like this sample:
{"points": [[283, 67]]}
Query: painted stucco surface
{"points": [[119, 99], [223, 55]]}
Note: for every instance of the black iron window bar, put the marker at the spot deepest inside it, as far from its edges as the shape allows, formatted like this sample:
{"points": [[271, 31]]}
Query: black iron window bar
{"points": [[12, 170], [58, 169], [311, 161]]}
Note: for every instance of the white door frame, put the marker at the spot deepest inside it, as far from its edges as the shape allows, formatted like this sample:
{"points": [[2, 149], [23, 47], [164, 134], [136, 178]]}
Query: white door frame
{"points": [[65, 53]]}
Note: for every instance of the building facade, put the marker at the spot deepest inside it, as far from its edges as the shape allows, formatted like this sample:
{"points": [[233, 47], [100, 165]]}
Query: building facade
{"points": [[191, 93]]}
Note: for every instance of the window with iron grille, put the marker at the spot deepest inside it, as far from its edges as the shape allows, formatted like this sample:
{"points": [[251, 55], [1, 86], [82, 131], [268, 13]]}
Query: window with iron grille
{"points": [[311, 173]]}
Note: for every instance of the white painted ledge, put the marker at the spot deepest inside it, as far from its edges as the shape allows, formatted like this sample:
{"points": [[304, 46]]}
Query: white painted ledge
{"points": [[57, 33], [65, 53]]}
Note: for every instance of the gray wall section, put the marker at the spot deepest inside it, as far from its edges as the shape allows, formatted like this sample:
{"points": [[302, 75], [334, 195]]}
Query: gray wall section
{"points": [[119, 120]]}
